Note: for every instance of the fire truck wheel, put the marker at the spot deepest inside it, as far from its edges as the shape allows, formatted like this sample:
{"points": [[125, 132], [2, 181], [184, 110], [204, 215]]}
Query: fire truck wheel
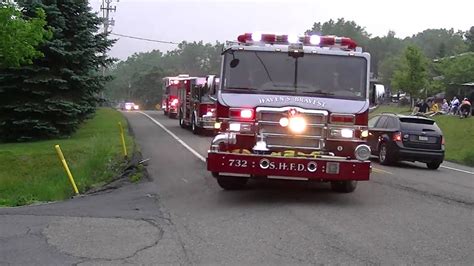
{"points": [[232, 182], [181, 120], [344, 186], [165, 113], [194, 128]]}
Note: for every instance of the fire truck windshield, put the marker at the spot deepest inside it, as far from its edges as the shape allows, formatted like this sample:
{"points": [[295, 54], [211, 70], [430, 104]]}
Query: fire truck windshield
{"points": [[319, 75]]}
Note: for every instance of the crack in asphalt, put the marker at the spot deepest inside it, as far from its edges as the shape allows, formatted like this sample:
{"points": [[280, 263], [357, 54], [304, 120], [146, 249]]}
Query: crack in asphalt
{"points": [[149, 221], [328, 237], [440, 197], [173, 226]]}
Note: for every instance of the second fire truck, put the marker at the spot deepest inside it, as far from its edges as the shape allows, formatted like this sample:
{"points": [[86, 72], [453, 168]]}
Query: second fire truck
{"points": [[169, 103], [196, 107], [293, 108]]}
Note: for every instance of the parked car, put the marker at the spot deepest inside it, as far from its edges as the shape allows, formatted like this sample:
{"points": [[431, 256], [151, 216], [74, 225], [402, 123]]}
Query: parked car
{"points": [[394, 137]]}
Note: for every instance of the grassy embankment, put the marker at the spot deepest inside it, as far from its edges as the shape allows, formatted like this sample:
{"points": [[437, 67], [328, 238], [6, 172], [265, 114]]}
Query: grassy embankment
{"points": [[31, 172], [459, 134]]}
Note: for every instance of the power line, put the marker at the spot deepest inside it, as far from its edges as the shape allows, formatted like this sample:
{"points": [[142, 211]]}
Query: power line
{"points": [[142, 39]]}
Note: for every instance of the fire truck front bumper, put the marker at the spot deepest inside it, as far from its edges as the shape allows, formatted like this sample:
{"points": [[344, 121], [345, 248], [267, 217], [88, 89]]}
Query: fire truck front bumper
{"points": [[326, 168], [206, 122], [173, 110]]}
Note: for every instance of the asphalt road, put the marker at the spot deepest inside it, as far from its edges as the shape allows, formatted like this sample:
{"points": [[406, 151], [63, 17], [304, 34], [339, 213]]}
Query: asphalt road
{"points": [[406, 214]]}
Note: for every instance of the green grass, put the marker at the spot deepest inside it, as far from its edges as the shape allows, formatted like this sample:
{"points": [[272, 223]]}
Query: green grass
{"points": [[31, 172], [458, 133], [391, 109]]}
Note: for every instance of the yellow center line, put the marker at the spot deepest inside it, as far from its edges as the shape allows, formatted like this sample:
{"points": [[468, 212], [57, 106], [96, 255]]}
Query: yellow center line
{"points": [[380, 171]]}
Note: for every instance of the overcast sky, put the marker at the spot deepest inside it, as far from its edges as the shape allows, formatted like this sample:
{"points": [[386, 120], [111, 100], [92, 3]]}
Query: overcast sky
{"points": [[207, 20]]}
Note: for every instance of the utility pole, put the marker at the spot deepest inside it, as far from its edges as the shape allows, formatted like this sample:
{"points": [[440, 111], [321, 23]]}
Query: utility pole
{"points": [[106, 9]]}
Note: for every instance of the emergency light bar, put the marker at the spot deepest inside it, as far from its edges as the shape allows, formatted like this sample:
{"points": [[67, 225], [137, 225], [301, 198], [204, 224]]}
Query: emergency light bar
{"points": [[312, 40]]}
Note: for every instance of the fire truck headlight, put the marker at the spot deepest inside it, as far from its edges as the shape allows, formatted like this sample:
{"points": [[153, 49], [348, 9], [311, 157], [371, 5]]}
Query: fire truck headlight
{"points": [[234, 127], [136, 107], [297, 124], [362, 152], [364, 133], [284, 122], [217, 125], [347, 133], [209, 113]]}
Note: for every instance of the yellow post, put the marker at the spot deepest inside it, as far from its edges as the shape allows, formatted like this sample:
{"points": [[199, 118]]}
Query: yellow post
{"points": [[123, 140], [66, 167]]}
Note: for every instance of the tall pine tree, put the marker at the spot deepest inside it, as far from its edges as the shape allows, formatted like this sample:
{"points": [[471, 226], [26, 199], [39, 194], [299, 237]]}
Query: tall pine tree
{"points": [[54, 95]]}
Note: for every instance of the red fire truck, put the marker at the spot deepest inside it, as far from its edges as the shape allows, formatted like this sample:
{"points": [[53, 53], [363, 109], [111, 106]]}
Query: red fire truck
{"points": [[169, 103], [292, 107], [196, 107]]}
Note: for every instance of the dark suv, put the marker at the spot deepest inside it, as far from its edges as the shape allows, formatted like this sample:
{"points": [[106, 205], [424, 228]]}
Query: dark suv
{"points": [[396, 137]]}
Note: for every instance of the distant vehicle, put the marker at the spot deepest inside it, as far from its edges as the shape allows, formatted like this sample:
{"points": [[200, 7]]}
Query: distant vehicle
{"points": [[397, 97], [129, 106], [196, 106], [377, 93], [396, 137], [170, 102]]}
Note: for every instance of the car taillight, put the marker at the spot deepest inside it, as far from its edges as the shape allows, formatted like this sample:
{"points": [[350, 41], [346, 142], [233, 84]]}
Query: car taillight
{"points": [[397, 136], [241, 114], [442, 140]]}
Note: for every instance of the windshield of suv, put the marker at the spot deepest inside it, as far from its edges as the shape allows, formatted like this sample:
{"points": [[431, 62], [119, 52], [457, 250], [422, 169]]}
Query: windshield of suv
{"points": [[310, 75]]}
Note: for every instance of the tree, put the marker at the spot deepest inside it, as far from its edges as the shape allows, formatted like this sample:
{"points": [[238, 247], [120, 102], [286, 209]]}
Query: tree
{"points": [[139, 78], [457, 70], [342, 28], [470, 38], [19, 37], [54, 95], [387, 67], [439, 42], [411, 75]]}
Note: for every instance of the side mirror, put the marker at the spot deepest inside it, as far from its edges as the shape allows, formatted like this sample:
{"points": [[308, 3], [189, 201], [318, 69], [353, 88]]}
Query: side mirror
{"points": [[234, 62], [376, 94], [211, 84]]}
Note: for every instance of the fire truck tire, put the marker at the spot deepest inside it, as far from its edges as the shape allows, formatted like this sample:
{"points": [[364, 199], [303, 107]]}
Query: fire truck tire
{"points": [[181, 120], [232, 182], [194, 128], [165, 113], [344, 186]]}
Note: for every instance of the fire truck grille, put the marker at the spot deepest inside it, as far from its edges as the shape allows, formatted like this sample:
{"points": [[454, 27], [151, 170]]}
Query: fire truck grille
{"points": [[288, 142], [275, 117], [278, 137]]}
